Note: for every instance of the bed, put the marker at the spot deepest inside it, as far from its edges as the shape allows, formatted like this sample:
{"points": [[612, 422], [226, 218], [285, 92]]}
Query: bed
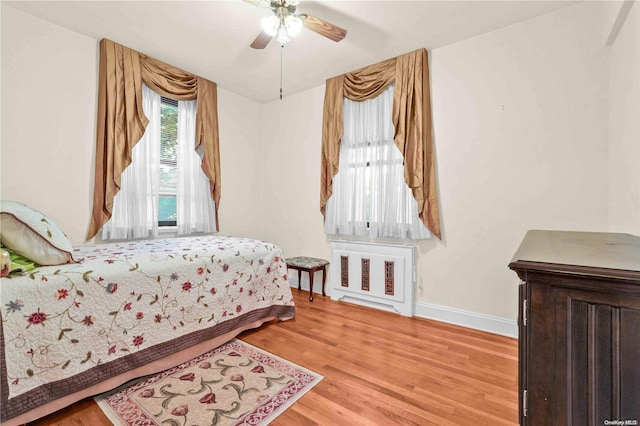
{"points": [[124, 310]]}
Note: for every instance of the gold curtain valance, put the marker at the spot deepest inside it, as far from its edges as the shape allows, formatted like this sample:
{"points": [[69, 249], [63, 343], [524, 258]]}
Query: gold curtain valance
{"points": [[411, 119], [121, 120]]}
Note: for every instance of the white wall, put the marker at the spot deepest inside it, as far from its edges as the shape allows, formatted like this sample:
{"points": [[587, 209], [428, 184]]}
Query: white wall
{"points": [[49, 82], [48, 119], [292, 131], [241, 165], [624, 126], [520, 125]]}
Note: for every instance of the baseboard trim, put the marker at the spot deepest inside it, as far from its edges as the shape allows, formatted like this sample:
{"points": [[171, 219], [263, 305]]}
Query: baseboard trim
{"points": [[468, 319]]}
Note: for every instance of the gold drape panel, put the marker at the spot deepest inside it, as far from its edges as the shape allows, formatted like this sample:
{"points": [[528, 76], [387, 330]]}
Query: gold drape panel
{"points": [[411, 119], [121, 120]]}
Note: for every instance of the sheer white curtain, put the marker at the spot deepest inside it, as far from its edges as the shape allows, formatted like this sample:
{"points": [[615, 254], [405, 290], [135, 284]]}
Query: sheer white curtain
{"points": [[194, 206], [135, 206], [370, 197]]}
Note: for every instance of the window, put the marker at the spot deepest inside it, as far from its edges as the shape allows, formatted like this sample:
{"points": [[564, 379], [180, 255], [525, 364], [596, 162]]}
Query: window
{"points": [[370, 197], [164, 185], [167, 213], [369, 162]]}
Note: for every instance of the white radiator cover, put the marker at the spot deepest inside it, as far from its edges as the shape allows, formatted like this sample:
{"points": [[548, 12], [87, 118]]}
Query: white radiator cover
{"points": [[391, 275]]}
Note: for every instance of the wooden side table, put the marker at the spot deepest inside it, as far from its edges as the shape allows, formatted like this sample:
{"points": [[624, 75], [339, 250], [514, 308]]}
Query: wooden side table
{"points": [[310, 265]]}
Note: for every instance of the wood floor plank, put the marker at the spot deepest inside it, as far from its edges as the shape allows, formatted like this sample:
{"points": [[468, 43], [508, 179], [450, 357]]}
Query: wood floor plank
{"points": [[378, 368]]}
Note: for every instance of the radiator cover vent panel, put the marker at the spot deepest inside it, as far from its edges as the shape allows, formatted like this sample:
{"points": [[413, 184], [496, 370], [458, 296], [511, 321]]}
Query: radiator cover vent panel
{"points": [[376, 275]]}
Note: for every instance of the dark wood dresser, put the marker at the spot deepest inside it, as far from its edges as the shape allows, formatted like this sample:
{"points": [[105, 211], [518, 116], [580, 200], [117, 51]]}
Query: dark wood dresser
{"points": [[579, 328]]}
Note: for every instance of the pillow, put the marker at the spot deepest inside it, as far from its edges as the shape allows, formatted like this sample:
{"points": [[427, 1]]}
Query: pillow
{"points": [[33, 235]]}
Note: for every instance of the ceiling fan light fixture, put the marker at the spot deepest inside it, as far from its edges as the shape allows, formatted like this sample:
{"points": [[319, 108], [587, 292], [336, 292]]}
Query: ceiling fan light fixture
{"points": [[284, 23], [283, 36], [270, 25], [293, 24]]}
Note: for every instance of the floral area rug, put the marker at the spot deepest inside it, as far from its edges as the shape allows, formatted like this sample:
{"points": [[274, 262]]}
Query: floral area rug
{"points": [[234, 384]]}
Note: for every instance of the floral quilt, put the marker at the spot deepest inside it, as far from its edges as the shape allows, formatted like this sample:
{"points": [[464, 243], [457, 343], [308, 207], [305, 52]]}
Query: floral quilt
{"points": [[125, 298]]}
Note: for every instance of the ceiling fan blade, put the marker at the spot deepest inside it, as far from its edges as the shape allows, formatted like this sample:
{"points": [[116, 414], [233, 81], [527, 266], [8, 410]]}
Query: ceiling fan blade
{"points": [[323, 28], [261, 41]]}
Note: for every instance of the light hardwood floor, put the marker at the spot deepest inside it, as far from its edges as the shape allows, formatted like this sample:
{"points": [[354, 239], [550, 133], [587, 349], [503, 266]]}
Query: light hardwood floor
{"points": [[379, 368]]}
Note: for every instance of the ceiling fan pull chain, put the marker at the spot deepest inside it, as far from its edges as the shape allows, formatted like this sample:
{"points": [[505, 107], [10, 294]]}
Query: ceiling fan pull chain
{"points": [[281, 49]]}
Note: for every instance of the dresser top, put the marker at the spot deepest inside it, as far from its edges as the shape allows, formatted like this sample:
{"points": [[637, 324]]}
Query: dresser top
{"points": [[600, 250]]}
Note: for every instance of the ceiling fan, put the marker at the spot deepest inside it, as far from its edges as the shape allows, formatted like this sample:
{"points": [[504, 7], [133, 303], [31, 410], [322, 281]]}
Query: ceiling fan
{"points": [[284, 23]]}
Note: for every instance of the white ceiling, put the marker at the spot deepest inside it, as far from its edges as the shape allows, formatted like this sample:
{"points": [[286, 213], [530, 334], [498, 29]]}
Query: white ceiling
{"points": [[212, 38]]}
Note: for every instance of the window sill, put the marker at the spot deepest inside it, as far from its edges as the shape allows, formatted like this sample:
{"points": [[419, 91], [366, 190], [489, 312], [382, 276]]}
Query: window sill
{"points": [[163, 232], [368, 240], [167, 231]]}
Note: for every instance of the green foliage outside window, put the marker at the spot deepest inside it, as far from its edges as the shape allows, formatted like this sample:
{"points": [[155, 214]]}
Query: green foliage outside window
{"points": [[168, 161]]}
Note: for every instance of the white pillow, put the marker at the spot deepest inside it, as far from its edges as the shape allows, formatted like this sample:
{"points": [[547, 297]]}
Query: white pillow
{"points": [[33, 235]]}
